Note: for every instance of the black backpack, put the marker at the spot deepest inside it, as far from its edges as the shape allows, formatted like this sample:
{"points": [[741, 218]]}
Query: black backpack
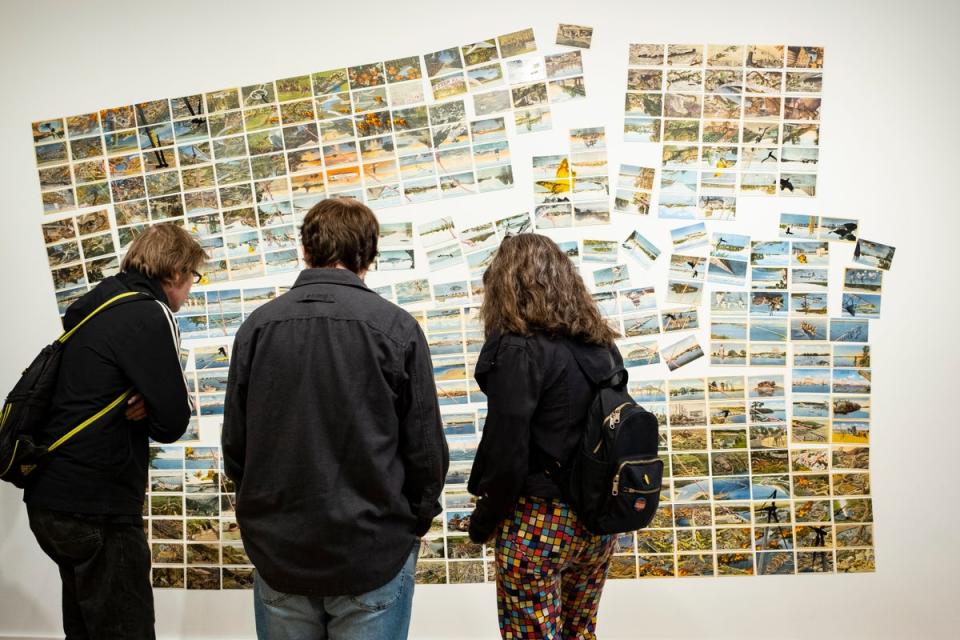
{"points": [[27, 404], [613, 481]]}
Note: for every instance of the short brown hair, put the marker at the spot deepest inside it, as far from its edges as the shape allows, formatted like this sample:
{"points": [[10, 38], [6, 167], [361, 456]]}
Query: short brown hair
{"points": [[340, 230], [531, 286], [164, 252]]}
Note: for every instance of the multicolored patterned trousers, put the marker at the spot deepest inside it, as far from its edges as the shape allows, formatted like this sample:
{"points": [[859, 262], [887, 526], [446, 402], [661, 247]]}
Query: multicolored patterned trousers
{"points": [[550, 572]]}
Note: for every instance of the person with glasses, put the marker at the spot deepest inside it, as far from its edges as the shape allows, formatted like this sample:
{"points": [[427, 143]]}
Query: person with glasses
{"points": [[85, 503]]}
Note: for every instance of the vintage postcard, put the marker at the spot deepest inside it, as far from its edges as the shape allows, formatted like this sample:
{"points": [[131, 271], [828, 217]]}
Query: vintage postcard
{"points": [[768, 278], [641, 324], [447, 86], [485, 76], [813, 280], [681, 292], [526, 70], [491, 102], [646, 54], [562, 65], [728, 245], [444, 61], [640, 299], [768, 354], [727, 271], [865, 280], [852, 330], [689, 237], [517, 43], [684, 267], [533, 120], [633, 202], [479, 52], [685, 55], [681, 353], [729, 303], [679, 320], [599, 251], [640, 129], [566, 89], [873, 254], [721, 55], [572, 35], [444, 257], [728, 353], [638, 354], [860, 305], [611, 278]]}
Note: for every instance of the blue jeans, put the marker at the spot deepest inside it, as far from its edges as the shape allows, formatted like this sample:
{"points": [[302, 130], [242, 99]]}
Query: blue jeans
{"points": [[381, 614]]}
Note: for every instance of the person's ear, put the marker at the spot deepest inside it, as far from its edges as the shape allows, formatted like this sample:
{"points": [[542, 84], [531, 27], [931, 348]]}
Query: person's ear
{"points": [[306, 256]]}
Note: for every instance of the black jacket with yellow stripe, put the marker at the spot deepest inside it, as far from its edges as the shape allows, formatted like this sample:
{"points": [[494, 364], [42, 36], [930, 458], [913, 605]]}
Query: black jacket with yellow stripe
{"points": [[135, 344]]}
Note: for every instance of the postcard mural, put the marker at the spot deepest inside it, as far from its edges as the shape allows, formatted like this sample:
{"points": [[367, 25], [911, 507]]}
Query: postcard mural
{"points": [[756, 362], [732, 120], [504, 74], [239, 167]]}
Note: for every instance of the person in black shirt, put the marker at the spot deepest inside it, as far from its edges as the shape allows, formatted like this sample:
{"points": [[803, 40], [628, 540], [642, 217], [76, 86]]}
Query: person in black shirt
{"points": [[86, 501], [332, 434], [536, 313]]}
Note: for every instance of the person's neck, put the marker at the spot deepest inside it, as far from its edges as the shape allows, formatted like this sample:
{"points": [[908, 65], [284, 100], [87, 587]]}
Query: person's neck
{"points": [[339, 265]]}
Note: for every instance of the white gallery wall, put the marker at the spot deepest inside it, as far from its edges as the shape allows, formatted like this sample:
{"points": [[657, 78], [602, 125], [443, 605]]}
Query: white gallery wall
{"points": [[888, 145]]}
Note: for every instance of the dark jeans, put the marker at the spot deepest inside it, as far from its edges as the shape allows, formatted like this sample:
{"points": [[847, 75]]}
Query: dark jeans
{"points": [[105, 569]]}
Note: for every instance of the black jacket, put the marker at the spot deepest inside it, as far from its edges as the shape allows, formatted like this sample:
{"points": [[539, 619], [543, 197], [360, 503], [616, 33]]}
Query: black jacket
{"points": [[332, 433], [537, 399], [103, 469]]}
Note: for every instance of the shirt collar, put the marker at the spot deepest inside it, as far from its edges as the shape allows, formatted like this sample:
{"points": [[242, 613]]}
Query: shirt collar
{"points": [[328, 275], [137, 281]]}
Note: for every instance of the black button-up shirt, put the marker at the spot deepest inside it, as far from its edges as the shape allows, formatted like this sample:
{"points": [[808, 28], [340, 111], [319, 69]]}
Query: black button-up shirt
{"points": [[333, 436]]}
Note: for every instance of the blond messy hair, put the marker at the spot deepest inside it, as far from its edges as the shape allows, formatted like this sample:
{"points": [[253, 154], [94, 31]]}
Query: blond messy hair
{"points": [[164, 252]]}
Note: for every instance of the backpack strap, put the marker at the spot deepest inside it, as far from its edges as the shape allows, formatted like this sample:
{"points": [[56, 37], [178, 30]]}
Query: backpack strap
{"points": [[557, 470], [119, 399], [617, 380], [86, 423]]}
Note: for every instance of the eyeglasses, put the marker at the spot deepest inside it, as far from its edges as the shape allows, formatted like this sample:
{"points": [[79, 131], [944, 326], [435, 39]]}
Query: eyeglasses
{"points": [[197, 277]]}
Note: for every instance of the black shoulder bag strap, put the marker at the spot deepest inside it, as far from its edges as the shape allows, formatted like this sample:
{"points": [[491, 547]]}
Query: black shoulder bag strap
{"points": [[616, 380], [556, 469]]}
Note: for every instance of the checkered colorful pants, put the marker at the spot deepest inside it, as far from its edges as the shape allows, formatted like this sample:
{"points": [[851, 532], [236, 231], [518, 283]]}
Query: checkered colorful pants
{"points": [[550, 572]]}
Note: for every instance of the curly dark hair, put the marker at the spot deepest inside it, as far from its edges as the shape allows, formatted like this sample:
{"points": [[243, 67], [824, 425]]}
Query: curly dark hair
{"points": [[340, 230], [531, 286]]}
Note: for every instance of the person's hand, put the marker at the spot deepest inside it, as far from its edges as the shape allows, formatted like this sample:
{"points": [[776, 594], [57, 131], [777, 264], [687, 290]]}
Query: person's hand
{"points": [[136, 408], [479, 535], [481, 530]]}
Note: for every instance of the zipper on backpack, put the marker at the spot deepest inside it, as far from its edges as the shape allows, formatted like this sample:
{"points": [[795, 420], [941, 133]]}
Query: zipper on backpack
{"points": [[614, 417], [616, 477]]}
